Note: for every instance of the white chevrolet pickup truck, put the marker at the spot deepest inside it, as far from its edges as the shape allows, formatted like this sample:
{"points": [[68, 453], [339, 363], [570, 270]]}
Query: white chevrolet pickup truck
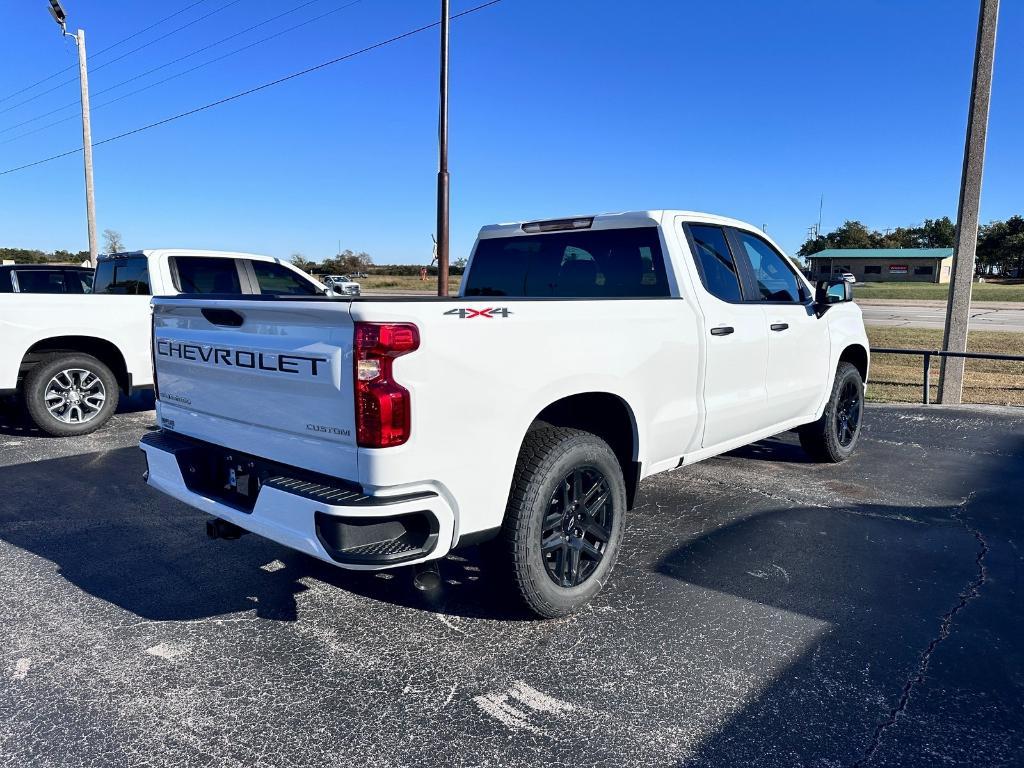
{"points": [[70, 356], [581, 356]]}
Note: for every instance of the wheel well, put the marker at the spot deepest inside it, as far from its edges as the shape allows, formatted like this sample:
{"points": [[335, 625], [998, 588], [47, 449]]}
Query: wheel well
{"points": [[857, 356], [102, 350], [610, 418]]}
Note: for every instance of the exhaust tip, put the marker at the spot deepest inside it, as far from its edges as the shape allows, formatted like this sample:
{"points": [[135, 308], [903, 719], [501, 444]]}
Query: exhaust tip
{"points": [[426, 577]]}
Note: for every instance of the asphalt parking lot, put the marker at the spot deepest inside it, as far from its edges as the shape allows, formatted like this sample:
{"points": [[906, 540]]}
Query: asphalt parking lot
{"points": [[766, 611]]}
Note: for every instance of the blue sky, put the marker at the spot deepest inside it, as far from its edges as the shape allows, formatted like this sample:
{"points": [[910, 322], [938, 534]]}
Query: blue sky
{"points": [[748, 109]]}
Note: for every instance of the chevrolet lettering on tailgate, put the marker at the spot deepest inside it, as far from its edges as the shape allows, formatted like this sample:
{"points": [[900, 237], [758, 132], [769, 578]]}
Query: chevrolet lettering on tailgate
{"points": [[241, 358]]}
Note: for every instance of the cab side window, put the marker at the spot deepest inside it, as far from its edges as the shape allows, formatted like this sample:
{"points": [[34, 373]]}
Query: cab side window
{"points": [[715, 262], [277, 280], [776, 280], [201, 274]]}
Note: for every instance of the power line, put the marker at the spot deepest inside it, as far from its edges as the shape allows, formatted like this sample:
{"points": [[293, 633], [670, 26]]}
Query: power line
{"points": [[255, 89], [99, 53], [62, 83], [166, 79], [180, 59]]}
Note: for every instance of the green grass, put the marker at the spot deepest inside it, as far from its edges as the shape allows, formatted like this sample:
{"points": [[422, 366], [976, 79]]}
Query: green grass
{"points": [[1008, 291], [898, 378]]}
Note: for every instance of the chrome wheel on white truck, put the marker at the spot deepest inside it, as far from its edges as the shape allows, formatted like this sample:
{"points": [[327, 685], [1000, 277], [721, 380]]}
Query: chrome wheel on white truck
{"points": [[69, 395]]}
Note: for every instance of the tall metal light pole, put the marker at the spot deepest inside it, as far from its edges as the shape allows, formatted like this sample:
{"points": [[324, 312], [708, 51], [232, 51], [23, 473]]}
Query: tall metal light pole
{"points": [[57, 11], [442, 171], [958, 306]]}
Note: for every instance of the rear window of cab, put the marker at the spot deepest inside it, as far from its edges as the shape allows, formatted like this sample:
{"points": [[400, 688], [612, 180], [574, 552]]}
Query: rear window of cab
{"points": [[126, 276], [610, 263]]}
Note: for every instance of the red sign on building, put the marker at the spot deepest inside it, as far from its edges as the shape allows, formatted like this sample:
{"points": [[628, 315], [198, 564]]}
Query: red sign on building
{"points": [[898, 269]]}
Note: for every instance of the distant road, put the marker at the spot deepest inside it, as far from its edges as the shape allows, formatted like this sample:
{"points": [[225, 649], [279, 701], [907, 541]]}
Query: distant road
{"points": [[932, 314]]}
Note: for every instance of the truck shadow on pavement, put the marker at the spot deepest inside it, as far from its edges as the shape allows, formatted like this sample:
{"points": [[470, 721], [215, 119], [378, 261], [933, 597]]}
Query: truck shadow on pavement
{"points": [[879, 633], [15, 421], [115, 538], [773, 449]]}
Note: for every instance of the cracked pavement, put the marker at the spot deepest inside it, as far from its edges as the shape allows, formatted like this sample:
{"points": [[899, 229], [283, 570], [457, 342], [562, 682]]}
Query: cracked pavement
{"points": [[765, 611]]}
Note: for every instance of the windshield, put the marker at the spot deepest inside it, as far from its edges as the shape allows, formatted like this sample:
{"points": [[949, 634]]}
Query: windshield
{"points": [[608, 263]]}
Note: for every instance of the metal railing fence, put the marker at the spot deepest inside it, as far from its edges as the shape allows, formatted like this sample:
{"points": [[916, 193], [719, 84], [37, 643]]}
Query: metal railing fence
{"points": [[928, 354]]}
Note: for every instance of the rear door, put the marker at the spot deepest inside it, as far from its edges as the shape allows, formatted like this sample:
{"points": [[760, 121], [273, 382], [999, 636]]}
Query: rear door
{"points": [[270, 378], [798, 341], [735, 340]]}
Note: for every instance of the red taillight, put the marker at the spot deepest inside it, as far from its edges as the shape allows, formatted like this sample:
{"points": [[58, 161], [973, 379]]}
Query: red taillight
{"points": [[383, 416]]}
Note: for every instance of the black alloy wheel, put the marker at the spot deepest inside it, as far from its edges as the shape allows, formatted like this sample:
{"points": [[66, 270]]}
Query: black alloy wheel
{"points": [[848, 413], [577, 526]]}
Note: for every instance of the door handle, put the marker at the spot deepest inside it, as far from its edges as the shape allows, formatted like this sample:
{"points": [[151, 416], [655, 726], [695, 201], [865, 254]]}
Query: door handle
{"points": [[722, 330], [780, 326], [227, 317]]}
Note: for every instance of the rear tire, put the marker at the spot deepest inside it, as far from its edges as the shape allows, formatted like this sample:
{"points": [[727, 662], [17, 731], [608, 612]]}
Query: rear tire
{"points": [[70, 394], [565, 519], [833, 437]]}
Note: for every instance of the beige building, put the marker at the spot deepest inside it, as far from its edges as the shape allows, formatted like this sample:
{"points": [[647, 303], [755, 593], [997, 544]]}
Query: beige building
{"points": [[884, 265]]}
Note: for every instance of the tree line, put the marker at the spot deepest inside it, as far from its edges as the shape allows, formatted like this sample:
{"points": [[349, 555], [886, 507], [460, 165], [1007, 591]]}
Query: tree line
{"points": [[1000, 243], [348, 262], [32, 256]]}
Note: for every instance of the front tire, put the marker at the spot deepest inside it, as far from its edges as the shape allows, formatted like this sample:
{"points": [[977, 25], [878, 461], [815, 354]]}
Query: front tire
{"points": [[833, 437], [565, 519], [70, 394]]}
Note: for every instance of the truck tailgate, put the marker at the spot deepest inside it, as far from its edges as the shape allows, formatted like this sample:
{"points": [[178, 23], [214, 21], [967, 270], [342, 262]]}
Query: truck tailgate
{"points": [[270, 378]]}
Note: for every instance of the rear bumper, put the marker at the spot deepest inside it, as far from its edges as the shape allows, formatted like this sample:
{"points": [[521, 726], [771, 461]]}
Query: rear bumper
{"points": [[334, 522]]}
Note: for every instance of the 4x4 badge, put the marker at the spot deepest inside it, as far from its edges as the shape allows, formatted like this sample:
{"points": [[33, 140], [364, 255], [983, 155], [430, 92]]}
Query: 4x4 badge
{"points": [[465, 313]]}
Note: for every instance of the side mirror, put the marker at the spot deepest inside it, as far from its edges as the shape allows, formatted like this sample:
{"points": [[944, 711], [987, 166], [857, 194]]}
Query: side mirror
{"points": [[835, 290]]}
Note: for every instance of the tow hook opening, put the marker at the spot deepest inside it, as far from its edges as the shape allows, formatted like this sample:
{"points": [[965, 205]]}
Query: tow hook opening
{"points": [[222, 529]]}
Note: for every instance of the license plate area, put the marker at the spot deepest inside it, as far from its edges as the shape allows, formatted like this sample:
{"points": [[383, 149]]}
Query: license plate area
{"points": [[236, 479], [242, 480]]}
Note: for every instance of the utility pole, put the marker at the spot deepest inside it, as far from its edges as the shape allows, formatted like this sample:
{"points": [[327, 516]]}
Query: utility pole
{"points": [[57, 11], [90, 201], [958, 306], [442, 171]]}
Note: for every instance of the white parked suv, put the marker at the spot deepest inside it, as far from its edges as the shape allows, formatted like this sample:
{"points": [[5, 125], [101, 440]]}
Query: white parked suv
{"points": [[581, 356], [70, 356], [342, 285]]}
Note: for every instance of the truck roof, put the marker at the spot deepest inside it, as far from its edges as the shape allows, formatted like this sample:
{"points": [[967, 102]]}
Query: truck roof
{"points": [[620, 220], [31, 267], [154, 252]]}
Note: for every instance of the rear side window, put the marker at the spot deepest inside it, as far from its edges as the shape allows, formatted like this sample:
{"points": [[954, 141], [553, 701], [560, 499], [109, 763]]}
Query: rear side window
{"points": [[277, 280], [202, 274], [609, 263], [125, 277], [717, 268]]}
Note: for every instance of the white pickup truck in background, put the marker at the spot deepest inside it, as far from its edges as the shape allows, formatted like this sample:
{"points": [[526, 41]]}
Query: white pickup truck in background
{"points": [[70, 355], [581, 356]]}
